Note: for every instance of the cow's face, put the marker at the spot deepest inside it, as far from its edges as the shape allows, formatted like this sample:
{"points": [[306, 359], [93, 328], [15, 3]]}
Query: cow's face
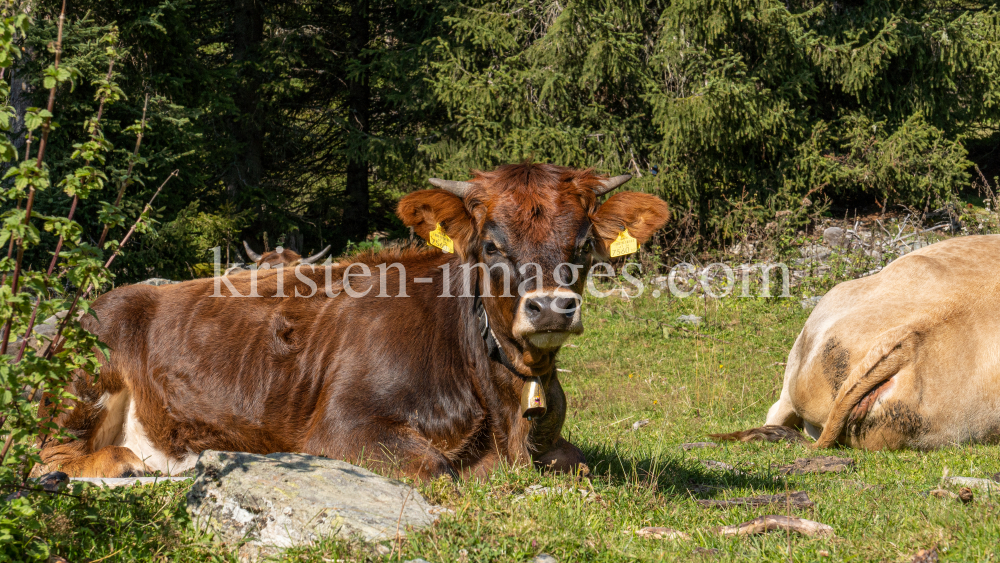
{"points": [[279, 257], [537, 229]]}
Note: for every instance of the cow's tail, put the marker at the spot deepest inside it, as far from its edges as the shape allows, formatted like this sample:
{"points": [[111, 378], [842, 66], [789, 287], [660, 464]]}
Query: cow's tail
{"points": [[893, 350]]}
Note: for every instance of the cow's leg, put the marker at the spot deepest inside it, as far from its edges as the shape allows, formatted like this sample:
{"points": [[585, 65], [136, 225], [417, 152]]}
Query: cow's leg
{"points": [[782, 413], [564, 457], [386, 447], [110, 461]]}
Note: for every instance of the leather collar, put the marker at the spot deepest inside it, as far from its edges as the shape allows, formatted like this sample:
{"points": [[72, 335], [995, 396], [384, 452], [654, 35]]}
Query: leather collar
{"points": [[493, 348]]}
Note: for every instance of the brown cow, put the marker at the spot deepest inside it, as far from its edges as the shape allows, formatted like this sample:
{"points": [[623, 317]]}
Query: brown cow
{"points": [[389, 370], [281, 256]]}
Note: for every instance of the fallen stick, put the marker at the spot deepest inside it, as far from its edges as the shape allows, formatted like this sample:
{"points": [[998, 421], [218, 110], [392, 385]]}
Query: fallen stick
{"points": [[771, 523], [760, 525]]}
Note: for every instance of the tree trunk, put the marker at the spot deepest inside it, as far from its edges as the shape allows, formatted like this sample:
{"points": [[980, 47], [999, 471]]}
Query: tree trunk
{"points": [[21, 96], [358, 102], [246, 168]]}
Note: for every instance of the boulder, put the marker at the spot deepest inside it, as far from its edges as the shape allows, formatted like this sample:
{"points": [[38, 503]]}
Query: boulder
{"points": [[834, 237], [283, 499], [815, 252]]}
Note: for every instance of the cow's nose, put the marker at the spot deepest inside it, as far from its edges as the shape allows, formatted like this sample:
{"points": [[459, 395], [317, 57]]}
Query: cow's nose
{"points": [[566, 305], [548, 313]]}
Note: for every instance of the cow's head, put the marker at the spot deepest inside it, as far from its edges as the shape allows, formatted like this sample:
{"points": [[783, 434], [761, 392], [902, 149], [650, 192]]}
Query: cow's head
{"points": [[282, 257], [544, 225]]}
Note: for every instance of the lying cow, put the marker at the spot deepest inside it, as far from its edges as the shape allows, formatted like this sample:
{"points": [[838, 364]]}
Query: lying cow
{"points": [[281, 256], [426, 384], [906, 358]]}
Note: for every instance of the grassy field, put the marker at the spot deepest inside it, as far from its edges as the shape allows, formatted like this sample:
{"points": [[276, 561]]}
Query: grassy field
{"points": [[635, 362]]}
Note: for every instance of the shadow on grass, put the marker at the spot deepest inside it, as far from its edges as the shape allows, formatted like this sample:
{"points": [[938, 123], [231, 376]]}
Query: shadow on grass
{"points": [[673, 475]]}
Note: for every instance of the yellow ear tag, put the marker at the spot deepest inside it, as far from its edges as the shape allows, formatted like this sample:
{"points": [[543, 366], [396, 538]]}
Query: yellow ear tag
{"points": [[439, 239], [624, 244]]}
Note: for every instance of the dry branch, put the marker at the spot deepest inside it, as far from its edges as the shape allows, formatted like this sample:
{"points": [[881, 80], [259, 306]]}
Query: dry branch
{"points": [[772, 523]]}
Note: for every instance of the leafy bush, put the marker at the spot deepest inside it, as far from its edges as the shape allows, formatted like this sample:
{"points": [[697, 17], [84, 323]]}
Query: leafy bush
{"points": [[61, 292]]}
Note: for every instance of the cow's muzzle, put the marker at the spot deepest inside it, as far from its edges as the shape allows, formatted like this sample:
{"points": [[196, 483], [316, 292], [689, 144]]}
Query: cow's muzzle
{"points": [[547, 318]]}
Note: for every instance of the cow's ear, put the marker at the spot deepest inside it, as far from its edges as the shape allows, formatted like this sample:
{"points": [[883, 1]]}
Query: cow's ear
{"points": [[642, 214], [424, 210]]}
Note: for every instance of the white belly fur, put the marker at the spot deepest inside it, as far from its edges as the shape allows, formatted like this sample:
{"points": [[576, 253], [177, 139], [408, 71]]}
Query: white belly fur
{"points": [[136, 440]]}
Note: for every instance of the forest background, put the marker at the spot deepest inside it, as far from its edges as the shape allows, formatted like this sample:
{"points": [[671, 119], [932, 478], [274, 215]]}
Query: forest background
{"points": [[302, 122]]}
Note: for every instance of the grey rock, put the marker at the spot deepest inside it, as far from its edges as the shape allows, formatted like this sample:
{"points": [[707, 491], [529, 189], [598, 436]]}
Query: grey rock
{"points": [[810, 302], [690, 319], [157, 282], [835, 237], [639, 424], [544, 558], [283, 499], [988, 486], [720, 465], [815, 251]]}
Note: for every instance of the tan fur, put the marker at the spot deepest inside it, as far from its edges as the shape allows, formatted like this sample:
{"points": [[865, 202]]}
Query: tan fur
{"points": [[906, 358]]}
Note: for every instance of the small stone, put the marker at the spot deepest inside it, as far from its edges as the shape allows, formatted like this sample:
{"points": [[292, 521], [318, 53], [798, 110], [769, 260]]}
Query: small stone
{"points": [[660, 533], [383, 549], [926, 556], [417, 560], [544, 558], [834, 237], [639, 424], [698, 445], [823, 553], [722, 466], [690, 319]]}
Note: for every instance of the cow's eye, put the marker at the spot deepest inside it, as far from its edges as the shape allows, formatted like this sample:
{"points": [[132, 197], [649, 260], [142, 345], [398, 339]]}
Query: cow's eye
{"points": [[490, 248]]}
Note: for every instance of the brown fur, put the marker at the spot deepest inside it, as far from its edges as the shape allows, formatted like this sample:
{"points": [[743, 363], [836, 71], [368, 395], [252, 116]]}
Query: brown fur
{"points": [[401, 383]]}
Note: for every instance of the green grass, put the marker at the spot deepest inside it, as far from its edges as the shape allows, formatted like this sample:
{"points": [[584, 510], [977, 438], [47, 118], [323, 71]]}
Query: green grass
{"points": [[634, 362]]}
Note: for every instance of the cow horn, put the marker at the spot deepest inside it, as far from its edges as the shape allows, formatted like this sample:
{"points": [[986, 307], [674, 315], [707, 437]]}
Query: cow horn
{"points": [[457, 188], [316, 257], [253, 255], [612, 183]]}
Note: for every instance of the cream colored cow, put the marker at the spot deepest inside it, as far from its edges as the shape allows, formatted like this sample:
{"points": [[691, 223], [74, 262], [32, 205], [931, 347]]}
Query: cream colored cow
{"points": [[906, 358]]}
